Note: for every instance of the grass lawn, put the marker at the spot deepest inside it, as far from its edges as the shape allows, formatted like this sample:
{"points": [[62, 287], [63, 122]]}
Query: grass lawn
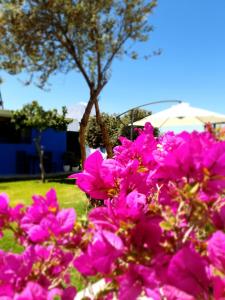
{"points": [[69, 195]]}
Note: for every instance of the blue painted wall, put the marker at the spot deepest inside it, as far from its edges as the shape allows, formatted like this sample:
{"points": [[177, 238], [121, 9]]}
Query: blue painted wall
{"points": [[53, 141]]}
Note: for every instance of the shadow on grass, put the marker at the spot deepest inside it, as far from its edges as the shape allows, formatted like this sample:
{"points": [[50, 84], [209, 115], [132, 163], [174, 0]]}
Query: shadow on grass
{"points": [[63, 180], [4, 187]]}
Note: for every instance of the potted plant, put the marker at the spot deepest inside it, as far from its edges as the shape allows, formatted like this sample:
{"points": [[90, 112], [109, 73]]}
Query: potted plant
{"points": [[71, 162], [76, 163], [66, 161]]}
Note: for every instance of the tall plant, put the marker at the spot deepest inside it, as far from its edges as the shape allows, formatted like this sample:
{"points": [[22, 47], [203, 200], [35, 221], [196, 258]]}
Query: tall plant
{"points": [[46, 37], [34, 116]]}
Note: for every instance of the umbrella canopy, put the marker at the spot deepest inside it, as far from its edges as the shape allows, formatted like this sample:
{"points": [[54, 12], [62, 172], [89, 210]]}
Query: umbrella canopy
{"points": [[182, 115]]}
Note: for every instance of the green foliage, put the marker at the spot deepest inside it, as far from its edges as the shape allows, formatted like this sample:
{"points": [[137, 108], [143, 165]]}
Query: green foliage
{"points": [[46, 37], [34, 116], [135, 114], [94, 135], [115, 126]]}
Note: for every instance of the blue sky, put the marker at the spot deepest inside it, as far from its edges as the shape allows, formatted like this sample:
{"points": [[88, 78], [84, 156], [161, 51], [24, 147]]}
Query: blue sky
{"points": [[191, 34]]}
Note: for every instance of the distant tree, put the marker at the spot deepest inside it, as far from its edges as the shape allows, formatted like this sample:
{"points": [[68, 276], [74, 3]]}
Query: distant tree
{"points": [[115, 126], [136, 114], [94, 136], [33, 115], [46, 37]]}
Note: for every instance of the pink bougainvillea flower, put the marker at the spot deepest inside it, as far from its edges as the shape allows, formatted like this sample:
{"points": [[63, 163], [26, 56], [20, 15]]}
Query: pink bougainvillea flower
{"points": [[51, 225], [147, 234], [97, 178], [68, 293], [218, 288], [43, 218], [14, 268], [17, 213], [43, 252], [103, 218], [65, 219], [133, 180], [216, 250], [100, 255], [177, 160], [48, 203], [172, 293], [33, 291], [4, 204], [138, 278], [187, 271], [218, 214], [38, 233], [41, 207], [4, 211], [6, 291], [140, 149], [130, 207], [214, 166]]}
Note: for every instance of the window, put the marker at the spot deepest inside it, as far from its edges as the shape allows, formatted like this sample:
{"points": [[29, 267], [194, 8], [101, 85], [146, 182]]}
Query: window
{"points": [[9, 135]]}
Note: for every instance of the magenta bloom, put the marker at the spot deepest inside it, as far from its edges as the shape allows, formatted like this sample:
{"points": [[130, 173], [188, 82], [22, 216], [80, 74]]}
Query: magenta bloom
{"points": [[66, 219], [14, 268], [216, 250], [45, 204], [214, 162], [103, 218], [218, 215], [132, 206], [32, 291], [4, 211], [141, 149], [97, 178], [100, 255], [172, 293], [187, 272], [218, 288], [147, 234], [137, 279], [43, 218], [41, 207], [4, 204], [65, 294]]}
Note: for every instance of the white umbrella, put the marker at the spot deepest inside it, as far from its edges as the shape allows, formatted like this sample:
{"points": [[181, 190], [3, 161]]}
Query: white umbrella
{"points": [[182, 115]]}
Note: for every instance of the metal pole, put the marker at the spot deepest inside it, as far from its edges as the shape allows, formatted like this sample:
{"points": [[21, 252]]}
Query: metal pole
{"points": [[1, 101], [132, 112], [132, 125], [150, 103]]}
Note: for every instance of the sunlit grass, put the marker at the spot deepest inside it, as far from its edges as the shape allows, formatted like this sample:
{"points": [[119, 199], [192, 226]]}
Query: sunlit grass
{"points": [[21, 192], [68, 195]]}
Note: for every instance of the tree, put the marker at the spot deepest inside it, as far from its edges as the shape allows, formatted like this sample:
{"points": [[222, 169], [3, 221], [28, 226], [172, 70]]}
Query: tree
{"points": [[115, 126], [94, 135], [46, 37], [34, 116], [136, 115]]}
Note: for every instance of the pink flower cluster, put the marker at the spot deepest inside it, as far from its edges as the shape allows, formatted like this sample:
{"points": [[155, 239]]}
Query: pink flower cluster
{"points": [[46, 235], [161, 230]]}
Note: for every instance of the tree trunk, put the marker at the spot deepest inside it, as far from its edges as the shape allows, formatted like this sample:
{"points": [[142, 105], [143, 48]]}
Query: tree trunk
{"points": [[84, 123], [104, 130], [40, 152]]}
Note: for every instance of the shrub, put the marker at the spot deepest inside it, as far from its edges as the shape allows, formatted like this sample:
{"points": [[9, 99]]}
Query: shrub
{"points": [[160, 232]]}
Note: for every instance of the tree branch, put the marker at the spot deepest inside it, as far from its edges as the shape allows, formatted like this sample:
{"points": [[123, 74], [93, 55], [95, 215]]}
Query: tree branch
{"points": [[68, 44]]}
